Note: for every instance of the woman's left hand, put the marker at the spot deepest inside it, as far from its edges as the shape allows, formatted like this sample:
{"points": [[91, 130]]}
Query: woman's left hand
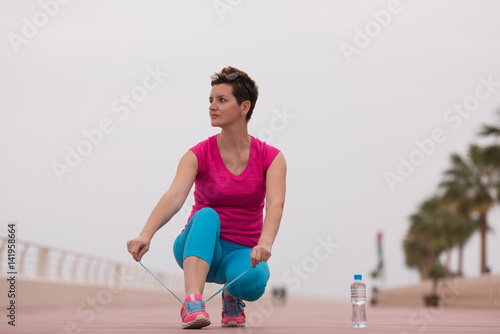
{"points": [[260, 253]]}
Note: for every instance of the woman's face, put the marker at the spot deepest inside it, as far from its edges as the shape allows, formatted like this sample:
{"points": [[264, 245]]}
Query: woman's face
{"points": [[224, 108]]}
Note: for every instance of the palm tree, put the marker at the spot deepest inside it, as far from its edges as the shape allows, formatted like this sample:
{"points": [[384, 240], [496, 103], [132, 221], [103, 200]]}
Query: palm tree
{"points": [[490, 130], [425, 239], [415, 254], [466, 229], [437, 226], [459, 228], [472, 183], [492, 152]]}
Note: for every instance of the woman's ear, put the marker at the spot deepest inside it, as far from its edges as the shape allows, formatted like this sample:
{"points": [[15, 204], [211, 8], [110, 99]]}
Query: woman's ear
{"points": [[245, 108]]}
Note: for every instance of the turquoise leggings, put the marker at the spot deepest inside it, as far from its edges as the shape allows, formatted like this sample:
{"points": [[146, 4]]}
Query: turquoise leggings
{"points": [[227, 260]]}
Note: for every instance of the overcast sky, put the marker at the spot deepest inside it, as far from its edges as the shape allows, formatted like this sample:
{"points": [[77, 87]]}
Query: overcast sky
{"points": [[100, 99]]}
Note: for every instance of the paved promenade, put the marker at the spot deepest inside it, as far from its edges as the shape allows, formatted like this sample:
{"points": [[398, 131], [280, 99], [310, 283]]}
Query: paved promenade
{"points": [[262, 317]]}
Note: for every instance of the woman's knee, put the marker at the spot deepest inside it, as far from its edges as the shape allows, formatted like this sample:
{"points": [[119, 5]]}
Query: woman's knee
{"points": [[251, 286], [207, 215], [200, 234]]}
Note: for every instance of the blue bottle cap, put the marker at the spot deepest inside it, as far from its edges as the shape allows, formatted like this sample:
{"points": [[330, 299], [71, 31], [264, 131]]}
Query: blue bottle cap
{"points": [[357, 277]]}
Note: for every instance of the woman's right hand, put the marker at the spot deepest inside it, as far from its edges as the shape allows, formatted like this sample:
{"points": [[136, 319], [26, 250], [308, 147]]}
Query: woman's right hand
{"points": [[138, 247]]}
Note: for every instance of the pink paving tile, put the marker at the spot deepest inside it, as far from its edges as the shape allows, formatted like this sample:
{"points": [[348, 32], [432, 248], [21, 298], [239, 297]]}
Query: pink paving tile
{"points": [[262, 317]]}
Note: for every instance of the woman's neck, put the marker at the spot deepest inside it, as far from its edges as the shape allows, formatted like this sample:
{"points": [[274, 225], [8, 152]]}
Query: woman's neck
{"points": [[234, 140]]}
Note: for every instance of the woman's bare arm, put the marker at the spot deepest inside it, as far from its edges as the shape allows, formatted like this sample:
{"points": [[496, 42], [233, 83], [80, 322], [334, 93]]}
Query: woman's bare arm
{"points": [[170, 203], [275, 201]]}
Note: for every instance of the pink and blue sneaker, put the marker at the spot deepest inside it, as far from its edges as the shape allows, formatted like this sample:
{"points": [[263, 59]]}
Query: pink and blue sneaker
{"points": [[193, 312], [233, 314]]}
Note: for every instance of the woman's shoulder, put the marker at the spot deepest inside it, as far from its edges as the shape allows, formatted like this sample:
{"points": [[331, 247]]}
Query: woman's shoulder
{"points": [[202, 152], [204, 144], [263, 146], [266, 152]]}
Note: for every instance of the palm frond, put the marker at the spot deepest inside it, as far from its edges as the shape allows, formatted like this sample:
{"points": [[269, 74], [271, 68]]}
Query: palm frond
{"points": [[488, 130]]}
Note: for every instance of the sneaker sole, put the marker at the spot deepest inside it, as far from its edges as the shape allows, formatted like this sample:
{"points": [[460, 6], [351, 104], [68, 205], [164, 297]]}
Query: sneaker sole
{"points": [[232, 324], [199, 322]]}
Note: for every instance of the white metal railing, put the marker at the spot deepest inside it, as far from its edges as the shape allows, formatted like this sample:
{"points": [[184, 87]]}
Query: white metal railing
{"points": [[47, 263]]}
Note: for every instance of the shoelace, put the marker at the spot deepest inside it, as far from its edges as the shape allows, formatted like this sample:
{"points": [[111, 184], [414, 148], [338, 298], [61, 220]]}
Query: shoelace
{"points": [[194, 306], [227, 284], [234, 307]]}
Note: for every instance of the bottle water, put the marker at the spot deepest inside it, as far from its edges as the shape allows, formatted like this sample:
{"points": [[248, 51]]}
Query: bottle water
{"points": [[358, 300]]}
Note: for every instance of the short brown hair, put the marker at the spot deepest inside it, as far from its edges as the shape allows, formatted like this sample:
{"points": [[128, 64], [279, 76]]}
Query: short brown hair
{"points": [[244, 88]]}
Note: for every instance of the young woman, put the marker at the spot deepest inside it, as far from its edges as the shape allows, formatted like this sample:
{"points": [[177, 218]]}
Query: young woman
{"points": [[234, 175]]}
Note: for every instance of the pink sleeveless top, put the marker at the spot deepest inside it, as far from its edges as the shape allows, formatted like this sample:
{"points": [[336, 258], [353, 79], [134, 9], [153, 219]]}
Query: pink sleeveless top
{"points": [[239, 200]]}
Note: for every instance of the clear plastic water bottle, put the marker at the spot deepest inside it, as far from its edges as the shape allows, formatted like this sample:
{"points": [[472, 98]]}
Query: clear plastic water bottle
{"points": [[358, 300]]}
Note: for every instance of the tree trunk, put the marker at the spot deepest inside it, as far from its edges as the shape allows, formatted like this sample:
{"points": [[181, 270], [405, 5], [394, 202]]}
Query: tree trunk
{"points": [[434, 286], [460, 258], [483, 228], [447, 262], [422, 270], [424, 265]]}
